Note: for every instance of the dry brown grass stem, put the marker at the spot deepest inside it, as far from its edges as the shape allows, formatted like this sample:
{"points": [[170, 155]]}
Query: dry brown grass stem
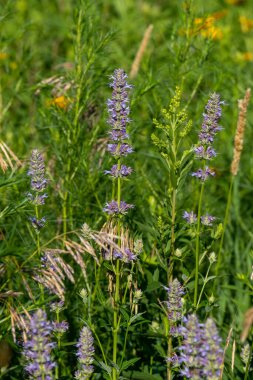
{"points": [[7, 158], [233, 356], [224, 352], [20, 322], [247, 323], [239, 135], [137, 60]]}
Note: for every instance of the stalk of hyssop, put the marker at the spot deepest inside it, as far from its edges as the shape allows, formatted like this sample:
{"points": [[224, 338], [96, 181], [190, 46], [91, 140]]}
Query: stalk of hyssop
{"points": [[197, 246], [42, 294], [171, 261], [229, 200], [116, 295]]}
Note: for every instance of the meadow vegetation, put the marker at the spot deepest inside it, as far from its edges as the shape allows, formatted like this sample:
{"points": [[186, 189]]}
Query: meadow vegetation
{"points": [[126, 185]]}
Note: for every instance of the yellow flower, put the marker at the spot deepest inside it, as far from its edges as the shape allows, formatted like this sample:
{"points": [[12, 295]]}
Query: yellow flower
{"points": [[246, 24], [234, 2], [3, 55], [247, 56], [60, 101], [206, 28]]}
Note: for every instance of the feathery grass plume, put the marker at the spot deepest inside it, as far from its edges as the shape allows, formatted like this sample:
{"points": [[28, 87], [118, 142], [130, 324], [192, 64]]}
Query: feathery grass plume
{"points": [[118, 244], [240, 129], [38, 347], [7, 158], [137, 60], [85, 354], [54, 272]]}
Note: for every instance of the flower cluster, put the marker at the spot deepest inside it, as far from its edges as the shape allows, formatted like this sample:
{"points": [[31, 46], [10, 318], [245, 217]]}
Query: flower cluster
{"points": [[118, 109], [191, 218], [85, 354], [37, 349], [209, 129], [174, 304], [200, 351], [38, 185]]}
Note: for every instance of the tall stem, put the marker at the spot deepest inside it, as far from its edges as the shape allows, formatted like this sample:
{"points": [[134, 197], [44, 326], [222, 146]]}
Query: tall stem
{"points": [[224, 225], [116, 295], [197, 246], [172, 233]]}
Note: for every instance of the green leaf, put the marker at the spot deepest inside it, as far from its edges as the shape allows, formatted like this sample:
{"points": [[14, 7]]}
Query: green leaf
{"points": [[126, 364]]}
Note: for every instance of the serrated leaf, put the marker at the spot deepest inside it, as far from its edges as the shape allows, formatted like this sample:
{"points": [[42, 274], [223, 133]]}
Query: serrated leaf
{"points": [[124, 313], [126, 364], [133, 318]]}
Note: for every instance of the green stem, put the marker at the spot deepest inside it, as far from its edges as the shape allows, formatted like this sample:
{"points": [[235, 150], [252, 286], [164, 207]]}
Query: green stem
{"points": [[115, 319], [117, 285], [172, 233], [204, 284], [197, 246], [219, 259]]}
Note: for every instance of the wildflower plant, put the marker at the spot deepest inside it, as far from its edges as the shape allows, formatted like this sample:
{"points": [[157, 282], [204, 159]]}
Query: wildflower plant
{"points": [[171, 143], [38, 348], [38, 185], [204, 152], [85, 354]]}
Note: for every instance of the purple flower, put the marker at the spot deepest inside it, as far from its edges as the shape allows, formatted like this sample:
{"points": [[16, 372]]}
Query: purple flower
{"points": [[190, 217], [212, 354], [190, 348], [37, 172], [118, 150], [200, 351], [207, 220], [60, 327], [113, 207], [37, 223], [122, 171], [85, 354], [209, 128], [118, 135], [203, 174], [204, 153], [37, 349], [118, 108]]}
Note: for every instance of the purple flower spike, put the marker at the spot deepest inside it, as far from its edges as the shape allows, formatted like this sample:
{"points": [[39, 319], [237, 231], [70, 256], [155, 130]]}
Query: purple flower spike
{"points": [[118, 108], [209, 129], [113, 207], [201, 352], [37, 349], [212, 354], [203, 174], [174, 304], [37, 171], [207, 220], [85, 354], [190, 217], [191, 348], [122, 171]]}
